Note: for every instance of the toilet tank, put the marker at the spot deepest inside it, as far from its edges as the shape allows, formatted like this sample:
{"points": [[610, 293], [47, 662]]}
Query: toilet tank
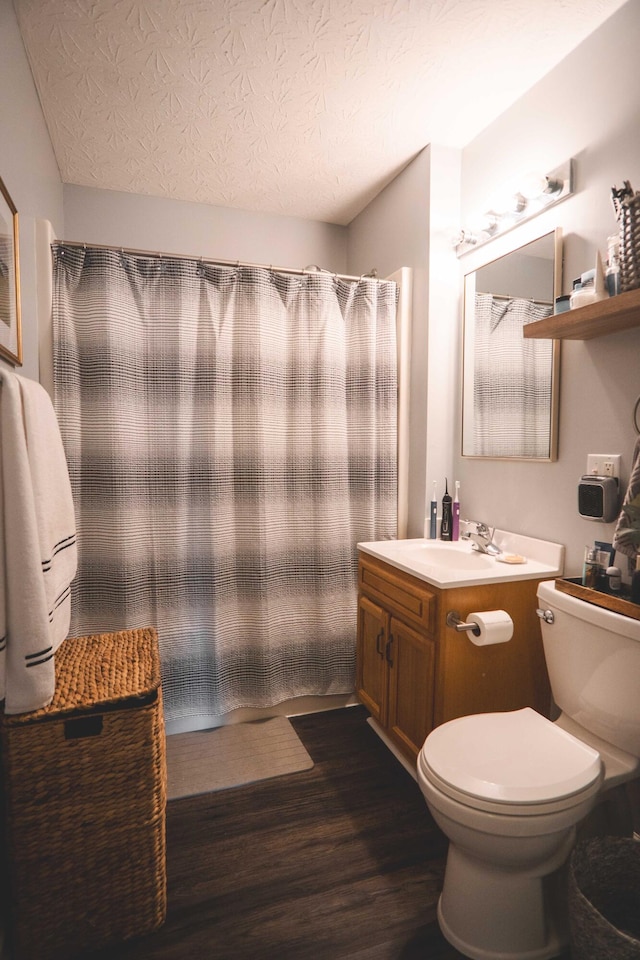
{"points": [[593, 659]]}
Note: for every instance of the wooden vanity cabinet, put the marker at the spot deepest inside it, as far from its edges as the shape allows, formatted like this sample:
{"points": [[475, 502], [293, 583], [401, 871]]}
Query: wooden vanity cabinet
{"points": [[396, 653], [414, 672]]}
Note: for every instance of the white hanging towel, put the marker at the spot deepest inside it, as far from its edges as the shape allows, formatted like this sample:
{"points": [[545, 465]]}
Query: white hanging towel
{"points": [[38, 553]]}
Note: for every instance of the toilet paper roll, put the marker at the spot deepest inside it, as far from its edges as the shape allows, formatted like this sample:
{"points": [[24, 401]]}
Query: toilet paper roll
{"points": [[496, 626]]}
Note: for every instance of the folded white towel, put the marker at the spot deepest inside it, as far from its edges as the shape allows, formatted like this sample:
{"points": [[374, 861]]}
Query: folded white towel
{"points": [[37, 544]]}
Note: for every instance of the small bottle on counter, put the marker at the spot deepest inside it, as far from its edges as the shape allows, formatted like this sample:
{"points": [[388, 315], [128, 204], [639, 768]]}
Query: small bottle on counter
{"points": [[591, 568], [615, 579]]}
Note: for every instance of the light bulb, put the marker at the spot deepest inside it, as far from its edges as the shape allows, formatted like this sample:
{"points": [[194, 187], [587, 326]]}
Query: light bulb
{"points": [[470, 237], [483, 222], [533, 185], [554, 186]]}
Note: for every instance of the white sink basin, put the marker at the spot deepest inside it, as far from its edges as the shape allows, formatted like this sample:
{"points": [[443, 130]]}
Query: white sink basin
{"points": [[455, 564], [446, 555]]}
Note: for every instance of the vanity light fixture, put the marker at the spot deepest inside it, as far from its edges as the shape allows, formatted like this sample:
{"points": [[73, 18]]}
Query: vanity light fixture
{"points": [[516, 204]]}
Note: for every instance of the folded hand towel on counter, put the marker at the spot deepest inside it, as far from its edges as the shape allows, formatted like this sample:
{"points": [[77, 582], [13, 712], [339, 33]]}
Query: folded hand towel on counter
{"points": [[626, 538], [38, 554]]}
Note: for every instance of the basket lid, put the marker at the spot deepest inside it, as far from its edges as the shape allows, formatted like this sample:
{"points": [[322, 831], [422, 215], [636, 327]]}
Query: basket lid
{"points": [[100, 670]]}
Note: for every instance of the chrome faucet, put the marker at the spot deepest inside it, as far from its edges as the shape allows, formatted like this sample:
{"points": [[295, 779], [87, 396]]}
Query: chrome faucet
{"points": [[482, 538]]}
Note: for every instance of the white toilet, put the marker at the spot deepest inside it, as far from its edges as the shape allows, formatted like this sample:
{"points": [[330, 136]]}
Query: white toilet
{"points": [[508, 789]]}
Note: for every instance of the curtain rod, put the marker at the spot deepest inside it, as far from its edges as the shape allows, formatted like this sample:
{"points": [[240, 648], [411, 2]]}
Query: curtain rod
{"points": [[505, 296], [294, 271]]}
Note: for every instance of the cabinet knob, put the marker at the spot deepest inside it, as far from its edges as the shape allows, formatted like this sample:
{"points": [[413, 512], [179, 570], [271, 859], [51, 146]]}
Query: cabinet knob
{"points": [[388, 650]]}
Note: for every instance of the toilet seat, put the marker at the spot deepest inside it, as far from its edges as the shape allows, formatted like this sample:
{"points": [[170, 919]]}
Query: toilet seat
{"points": [[515, 762]]}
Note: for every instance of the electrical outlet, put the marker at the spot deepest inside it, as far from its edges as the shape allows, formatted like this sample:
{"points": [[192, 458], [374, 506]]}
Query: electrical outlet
{"points": [[603, 464]]}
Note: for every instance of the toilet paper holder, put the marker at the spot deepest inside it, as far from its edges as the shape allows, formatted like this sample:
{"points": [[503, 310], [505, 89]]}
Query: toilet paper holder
{"points": [[454, 620]]}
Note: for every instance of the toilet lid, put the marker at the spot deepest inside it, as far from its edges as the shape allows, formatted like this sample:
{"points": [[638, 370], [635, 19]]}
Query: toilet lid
{"points": [[513, 757]]}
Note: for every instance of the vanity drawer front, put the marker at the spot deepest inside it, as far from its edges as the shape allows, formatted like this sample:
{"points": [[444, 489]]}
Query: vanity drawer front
{"points": [[400, 593]]}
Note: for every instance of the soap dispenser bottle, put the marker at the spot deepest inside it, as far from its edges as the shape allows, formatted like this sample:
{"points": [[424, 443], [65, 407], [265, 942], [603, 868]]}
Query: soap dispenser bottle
{"points": [[445, 525]]}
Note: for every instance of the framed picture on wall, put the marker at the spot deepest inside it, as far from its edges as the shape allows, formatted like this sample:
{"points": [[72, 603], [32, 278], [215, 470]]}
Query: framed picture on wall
{"points": [[10, 327]]}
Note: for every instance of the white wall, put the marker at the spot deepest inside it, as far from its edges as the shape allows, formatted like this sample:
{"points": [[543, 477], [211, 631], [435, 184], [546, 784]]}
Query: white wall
{"points": [[444, 338], [589, 108], [410, 223], [28, 169], [392, 232], [198, 229]]}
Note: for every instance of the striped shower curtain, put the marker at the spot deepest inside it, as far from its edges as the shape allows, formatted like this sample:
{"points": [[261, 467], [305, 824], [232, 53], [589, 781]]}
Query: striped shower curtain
{"points": [[231, 436], [512, 379]]}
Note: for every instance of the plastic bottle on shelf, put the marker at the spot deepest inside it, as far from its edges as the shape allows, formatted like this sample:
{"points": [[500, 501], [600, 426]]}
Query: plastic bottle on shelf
{"points": [[612, 273], [590, 287]]}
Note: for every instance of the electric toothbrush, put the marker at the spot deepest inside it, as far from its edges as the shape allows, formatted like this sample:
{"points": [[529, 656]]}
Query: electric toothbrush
{"points": [[455, 516], [445, 523], [433, 525]]}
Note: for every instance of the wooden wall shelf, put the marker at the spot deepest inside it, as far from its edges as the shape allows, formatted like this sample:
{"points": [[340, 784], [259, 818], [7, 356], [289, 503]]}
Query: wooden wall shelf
{"points": [[594, 320]]}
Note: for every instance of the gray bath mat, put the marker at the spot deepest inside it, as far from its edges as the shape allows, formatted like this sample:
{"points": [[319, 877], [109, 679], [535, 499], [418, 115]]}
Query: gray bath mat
{"points": [[224, 757]]}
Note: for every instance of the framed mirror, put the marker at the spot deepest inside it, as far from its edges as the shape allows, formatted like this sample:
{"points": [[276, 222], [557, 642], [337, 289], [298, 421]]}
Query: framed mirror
{"points": [[10, 329], [510, 385]]}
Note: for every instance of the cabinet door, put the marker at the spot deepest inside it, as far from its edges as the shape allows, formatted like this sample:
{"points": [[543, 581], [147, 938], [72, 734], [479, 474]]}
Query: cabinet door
{"points": [[411, 664], [371, 673]]}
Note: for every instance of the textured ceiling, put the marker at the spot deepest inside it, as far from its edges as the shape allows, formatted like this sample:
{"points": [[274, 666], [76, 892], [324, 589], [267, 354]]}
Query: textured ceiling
{"points": [[300, 107]]}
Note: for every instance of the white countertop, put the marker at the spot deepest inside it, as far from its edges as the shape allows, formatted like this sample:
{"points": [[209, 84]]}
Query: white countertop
{"points": [[448, 564]]}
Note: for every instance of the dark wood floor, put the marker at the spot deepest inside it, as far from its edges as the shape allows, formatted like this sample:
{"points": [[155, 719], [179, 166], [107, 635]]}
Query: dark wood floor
{"points": [[341, 862]]}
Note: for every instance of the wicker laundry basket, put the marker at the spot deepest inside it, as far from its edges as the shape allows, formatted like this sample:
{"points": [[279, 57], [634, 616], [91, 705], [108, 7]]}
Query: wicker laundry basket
{"points": [[85, 800], [604, 899]]}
